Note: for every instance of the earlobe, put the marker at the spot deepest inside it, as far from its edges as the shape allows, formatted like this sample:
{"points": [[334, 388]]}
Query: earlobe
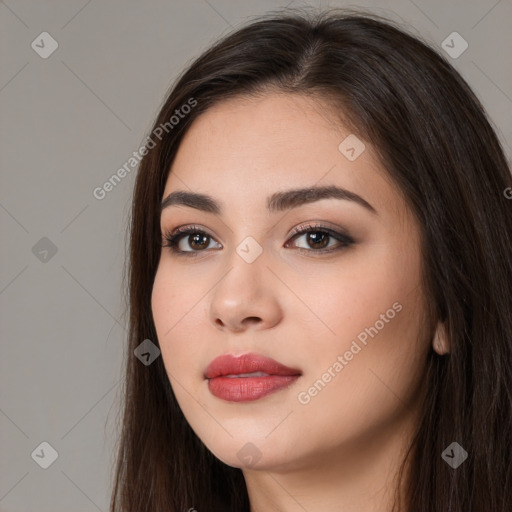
{"points": [[441, 343]]}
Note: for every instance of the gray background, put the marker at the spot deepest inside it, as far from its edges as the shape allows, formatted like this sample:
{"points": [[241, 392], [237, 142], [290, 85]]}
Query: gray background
{"points": [[68, 122]]}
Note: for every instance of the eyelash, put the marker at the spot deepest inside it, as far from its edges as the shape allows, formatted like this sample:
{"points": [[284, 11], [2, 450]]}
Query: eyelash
{"points": [[173, 239]]}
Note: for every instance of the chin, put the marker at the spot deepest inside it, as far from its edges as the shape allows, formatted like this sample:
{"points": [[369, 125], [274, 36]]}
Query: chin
{"points": [[253, 452]]}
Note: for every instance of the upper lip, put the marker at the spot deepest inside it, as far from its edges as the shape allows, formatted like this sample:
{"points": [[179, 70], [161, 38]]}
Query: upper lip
{"points": [[229, 364]]}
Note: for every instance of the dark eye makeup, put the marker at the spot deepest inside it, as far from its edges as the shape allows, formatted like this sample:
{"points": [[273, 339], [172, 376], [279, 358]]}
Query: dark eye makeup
{"points": [[318, 238]]}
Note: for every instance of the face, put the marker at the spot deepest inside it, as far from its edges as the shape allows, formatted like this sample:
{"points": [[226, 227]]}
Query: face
{"points": [[326, 285]]}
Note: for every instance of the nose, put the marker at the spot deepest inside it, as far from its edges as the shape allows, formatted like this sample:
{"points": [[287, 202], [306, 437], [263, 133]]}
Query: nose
{"points": [[246, 297]]}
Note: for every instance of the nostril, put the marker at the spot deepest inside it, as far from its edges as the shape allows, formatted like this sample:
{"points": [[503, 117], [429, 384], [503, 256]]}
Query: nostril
{"points": [[252, 320]]}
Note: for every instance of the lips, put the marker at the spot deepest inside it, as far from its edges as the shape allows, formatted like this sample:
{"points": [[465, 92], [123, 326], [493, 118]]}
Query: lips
{"points": [[242, 366], [247, 377]]}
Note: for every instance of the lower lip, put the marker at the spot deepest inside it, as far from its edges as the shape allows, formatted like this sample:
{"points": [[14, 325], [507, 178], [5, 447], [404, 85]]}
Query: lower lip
{"points": [[246, 389]]}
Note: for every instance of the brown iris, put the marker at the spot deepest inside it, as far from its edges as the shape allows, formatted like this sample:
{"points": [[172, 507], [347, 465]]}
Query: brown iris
{"points": [[318, 239], [195, 241]]}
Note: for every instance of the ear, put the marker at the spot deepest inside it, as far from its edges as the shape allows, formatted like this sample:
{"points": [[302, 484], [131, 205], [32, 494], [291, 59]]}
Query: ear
{"points": [[440, 342]]}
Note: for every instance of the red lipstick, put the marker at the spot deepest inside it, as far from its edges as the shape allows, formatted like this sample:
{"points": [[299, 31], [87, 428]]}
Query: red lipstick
{"points": [[247, 377]]}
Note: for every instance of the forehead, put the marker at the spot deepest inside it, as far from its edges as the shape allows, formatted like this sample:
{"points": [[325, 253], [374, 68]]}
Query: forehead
{"points": [[245, 148]]}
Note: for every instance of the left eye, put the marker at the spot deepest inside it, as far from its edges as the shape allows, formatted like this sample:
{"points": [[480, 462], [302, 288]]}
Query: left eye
{"points": [[318, 238]]}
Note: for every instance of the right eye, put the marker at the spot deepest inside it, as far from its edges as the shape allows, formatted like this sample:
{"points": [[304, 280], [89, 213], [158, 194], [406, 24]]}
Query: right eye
{"points": [[196, 239]]}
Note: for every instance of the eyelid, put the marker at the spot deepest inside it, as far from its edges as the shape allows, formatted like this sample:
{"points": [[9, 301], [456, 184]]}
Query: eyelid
{"points": [[177, 233], [338, 233], [320, 226], [185, 228]]}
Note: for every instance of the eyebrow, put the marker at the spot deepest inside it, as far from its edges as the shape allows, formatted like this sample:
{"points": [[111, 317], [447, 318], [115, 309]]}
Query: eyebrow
{"points": [[277, 202]]}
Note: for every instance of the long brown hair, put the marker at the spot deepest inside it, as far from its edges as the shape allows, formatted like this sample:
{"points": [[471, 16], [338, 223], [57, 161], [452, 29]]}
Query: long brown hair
{"points": [[436, 142]]}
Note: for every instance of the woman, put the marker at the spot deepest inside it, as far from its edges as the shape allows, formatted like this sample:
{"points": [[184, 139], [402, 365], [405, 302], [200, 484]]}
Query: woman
{"points": [[320, 250]]}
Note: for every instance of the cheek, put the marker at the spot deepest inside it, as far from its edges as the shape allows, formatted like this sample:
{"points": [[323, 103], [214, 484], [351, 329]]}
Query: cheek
{"points": [[176, 309], [351, 295], [372, 311], [382, 365], [174, 300]]}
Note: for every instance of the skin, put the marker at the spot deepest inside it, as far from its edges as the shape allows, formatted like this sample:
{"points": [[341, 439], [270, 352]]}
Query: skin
{"points": [[341, 450]]}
